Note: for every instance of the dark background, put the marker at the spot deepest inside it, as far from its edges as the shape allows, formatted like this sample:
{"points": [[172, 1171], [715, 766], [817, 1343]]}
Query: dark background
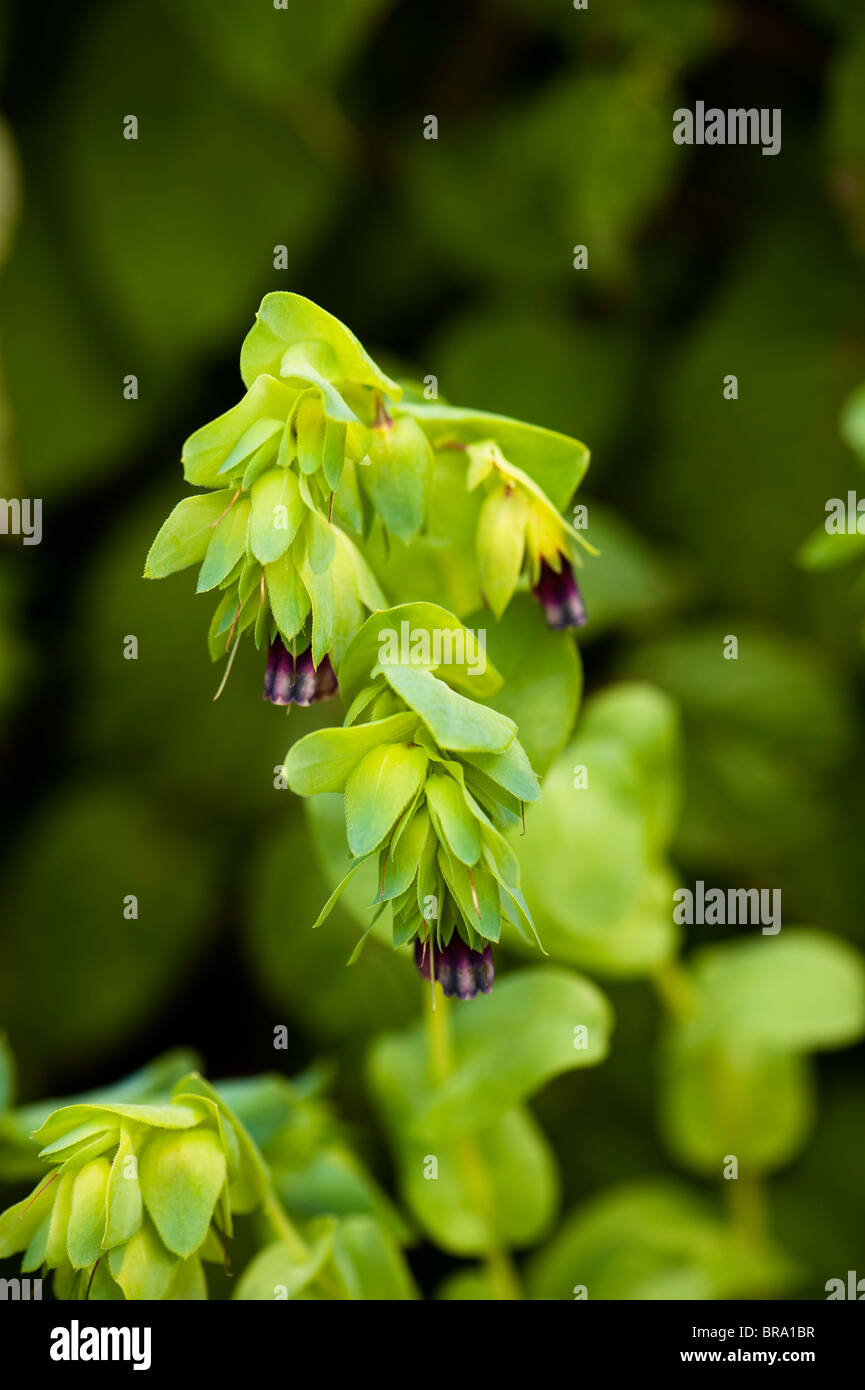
{"points": [[304, 128]]}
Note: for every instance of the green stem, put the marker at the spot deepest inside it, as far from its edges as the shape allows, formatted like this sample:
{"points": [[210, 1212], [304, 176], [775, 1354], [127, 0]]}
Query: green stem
{"points": [[674, 986], [500, 1266], [288, 1233], [747, 1199]]}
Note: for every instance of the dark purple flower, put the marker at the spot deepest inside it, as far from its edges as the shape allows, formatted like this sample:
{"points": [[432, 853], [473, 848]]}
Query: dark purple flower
{"points": [[458, 970], [560, 595], [291, 680]]}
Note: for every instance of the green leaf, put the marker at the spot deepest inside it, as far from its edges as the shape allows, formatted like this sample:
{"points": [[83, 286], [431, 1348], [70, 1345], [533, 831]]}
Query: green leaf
{"points": [[501, 545], [459, 829], [556, 463], [397, 476], [185, 535], [143, 1267], [455, 722], [278, 1272], [378, 790], [511, 770], [322, 760], [405, 626], [19, 1223], [86, 1228], [181, 1178], [206, 451], [542, 680], [227, 545], [285, 321], [370, 1263], [289, 600], [799, 991], [655, 1240], [123, 1198], [277, 511], [729, 1097]]}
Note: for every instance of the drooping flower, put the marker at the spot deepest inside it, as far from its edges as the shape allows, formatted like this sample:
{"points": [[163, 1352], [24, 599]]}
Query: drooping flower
{"points": [[295, 680], [432, 781], [459, 970], [560, 595]]}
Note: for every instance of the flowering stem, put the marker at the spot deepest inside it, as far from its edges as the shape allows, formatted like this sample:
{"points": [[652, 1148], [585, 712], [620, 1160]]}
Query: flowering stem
{"points": [[500, 1266]]}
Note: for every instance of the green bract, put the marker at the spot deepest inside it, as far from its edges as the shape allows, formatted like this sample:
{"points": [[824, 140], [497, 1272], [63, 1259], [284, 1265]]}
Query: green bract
{"points": [[320, 446], [311, 451], [140, 1195], [431, 778]]}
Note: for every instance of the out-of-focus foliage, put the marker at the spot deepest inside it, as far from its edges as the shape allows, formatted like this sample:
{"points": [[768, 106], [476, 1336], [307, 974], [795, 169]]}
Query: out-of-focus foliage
{"points": [[284, 149]]}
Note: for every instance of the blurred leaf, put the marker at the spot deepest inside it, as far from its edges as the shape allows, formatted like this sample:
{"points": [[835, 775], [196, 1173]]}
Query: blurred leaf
{"points": [[655, 1240], [370, 1262], [725, 1097], [591, 859], [802, 991], [542, 678], [277, 1273]]}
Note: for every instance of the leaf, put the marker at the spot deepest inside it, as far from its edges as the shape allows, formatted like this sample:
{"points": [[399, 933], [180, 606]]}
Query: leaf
{"points": [[86, 1228], [207, 450], [455, 722], [545, 1006], [227, 545], [285, 321], [397, 476], [501, 545], [322, 760], [378, 790], [511, 770], [556, 463], [143, 1267], [181, 1177], [720, 1098], [184, 537], [370, 1263], [655, 1240], [457, 826], [123, 1198], [19, 1223], [289, 600], [277, 511], [406, 625], [277, 1272], [542, 681], [800, 991]]}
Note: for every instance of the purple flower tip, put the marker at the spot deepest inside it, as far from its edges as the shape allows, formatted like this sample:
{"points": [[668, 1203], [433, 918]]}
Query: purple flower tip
{"points": [[458, 970], [560, 595], [295, 681]]}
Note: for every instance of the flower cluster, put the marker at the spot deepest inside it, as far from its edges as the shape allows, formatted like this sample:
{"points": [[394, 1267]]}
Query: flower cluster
{"points": [[431, 780], [315, 448], [139, 1196]]}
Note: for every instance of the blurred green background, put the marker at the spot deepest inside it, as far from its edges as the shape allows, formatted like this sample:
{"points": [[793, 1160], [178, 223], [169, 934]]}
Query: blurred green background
{"points": [[303, 128]]}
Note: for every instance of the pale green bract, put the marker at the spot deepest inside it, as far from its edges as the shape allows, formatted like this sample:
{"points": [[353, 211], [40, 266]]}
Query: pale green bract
{"points": [[431, 779], [140, 1196], [321, 445]]}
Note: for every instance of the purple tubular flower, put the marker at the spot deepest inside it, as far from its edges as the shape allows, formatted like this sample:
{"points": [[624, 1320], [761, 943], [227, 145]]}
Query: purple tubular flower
{"points": [[560, 595], [295, 681], [458, 970]]}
